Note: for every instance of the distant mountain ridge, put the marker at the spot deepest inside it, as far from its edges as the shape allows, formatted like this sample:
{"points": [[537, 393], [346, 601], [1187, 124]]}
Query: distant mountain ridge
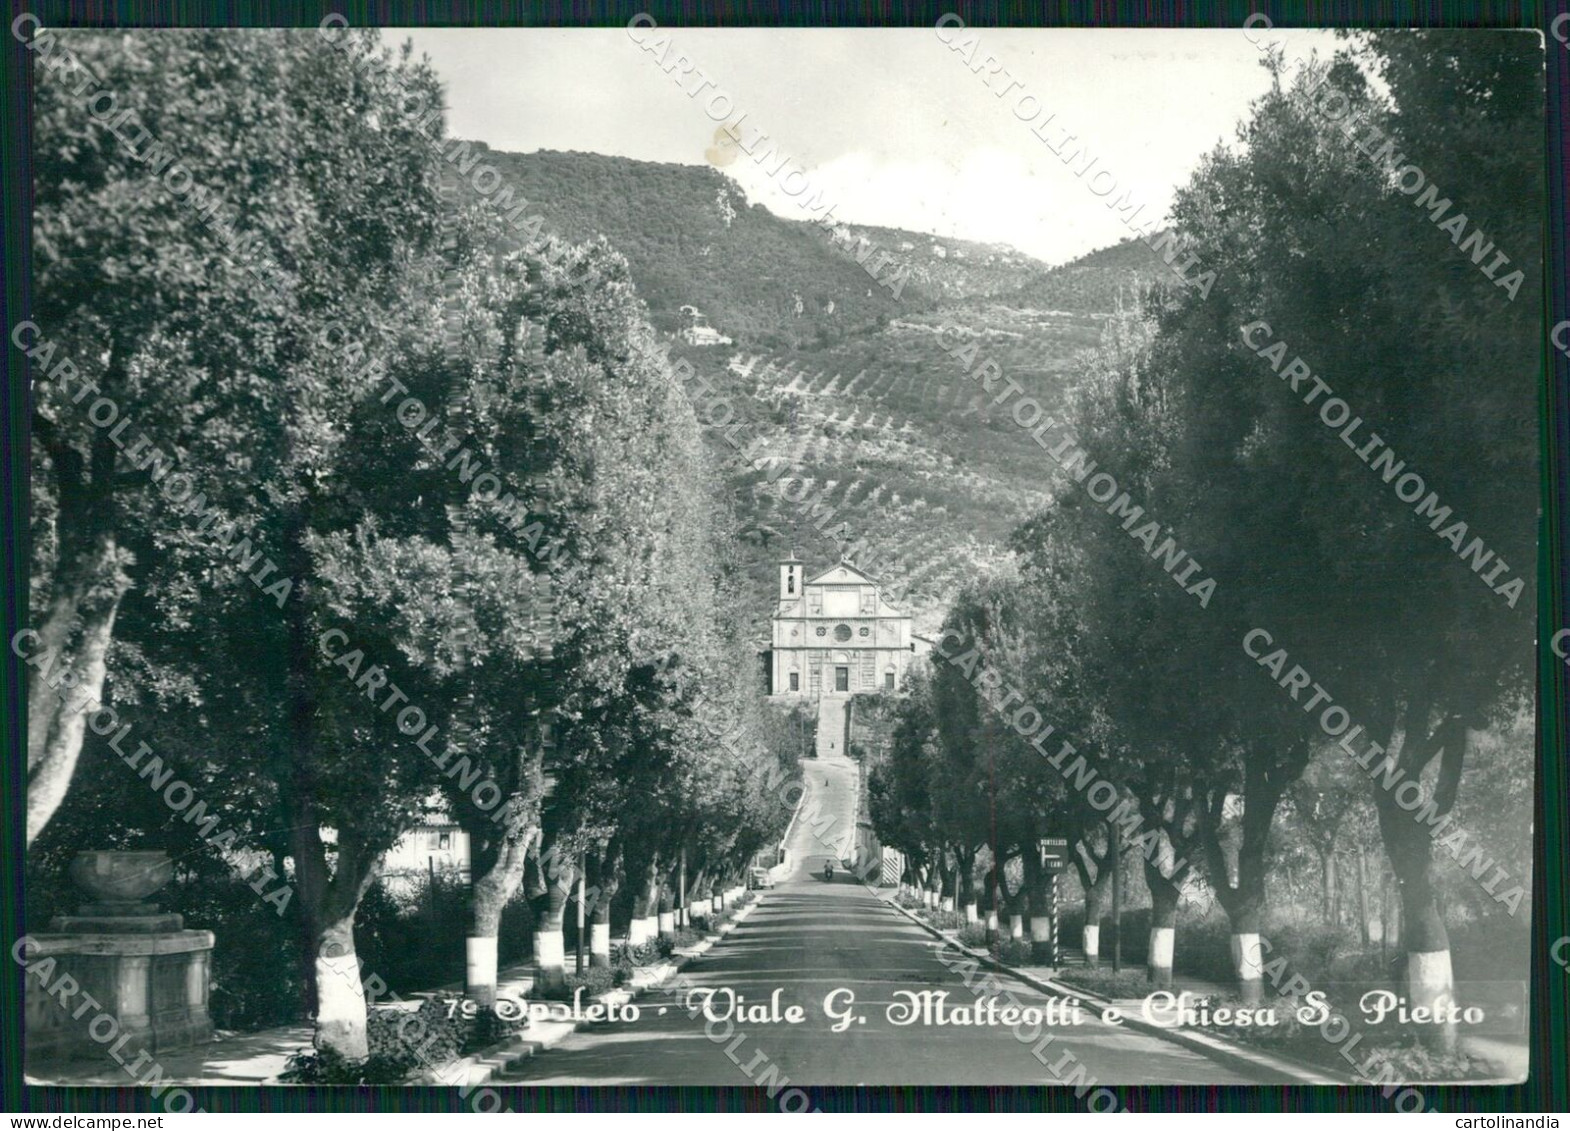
{"points": [[1104, 280], [857, 418], [692, 239]]}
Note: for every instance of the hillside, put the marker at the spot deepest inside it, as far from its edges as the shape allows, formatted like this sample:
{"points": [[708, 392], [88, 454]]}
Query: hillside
{"points": [[1102, 280], [764, 281], [887, 435], [849, 405], [945, 268]]}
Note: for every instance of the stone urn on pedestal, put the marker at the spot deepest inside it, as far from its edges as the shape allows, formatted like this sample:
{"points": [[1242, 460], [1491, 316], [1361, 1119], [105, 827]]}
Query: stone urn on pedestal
{"points": [[118, 883], [130, 960]]}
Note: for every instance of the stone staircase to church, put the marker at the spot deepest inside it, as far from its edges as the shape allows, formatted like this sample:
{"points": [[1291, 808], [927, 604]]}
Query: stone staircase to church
{"points": [[833, 727]]}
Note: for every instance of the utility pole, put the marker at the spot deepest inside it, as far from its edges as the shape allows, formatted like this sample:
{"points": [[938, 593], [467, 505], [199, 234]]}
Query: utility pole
{"points": [[681, 889]]}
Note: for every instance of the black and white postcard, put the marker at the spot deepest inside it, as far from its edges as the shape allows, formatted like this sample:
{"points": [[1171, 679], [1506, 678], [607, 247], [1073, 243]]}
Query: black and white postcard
{"points": [[661, 556]]}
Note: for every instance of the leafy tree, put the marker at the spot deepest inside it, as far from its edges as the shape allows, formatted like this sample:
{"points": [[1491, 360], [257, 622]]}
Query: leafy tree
{"points": [[203, 325], [1298, 224], [166, 318]]}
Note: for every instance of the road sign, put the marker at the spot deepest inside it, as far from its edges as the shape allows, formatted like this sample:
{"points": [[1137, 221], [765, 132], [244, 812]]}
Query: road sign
{"points": [[1054, 853]]}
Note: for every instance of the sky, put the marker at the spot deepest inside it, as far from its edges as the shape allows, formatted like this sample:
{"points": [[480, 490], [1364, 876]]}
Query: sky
{"points": [[891, 124]]}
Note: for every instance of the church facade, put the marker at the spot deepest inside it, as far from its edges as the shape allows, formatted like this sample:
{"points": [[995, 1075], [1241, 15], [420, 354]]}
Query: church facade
{"points": [[835, 634]]}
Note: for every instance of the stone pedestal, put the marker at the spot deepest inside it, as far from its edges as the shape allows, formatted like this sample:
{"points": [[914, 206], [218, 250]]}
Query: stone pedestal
{"points": [[125, 976]]}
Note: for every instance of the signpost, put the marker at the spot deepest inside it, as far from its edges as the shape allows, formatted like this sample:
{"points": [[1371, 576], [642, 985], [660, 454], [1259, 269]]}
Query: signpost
{"points": [[1054, 858], [1054, 853]]}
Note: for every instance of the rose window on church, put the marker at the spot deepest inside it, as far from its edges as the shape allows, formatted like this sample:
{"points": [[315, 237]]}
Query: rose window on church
{"points": [[842, 632]]}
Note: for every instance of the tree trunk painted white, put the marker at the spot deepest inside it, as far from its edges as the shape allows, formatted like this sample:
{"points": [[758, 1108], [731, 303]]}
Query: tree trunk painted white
{"points": [[703, 907], [490, 889], [1249, 962], [992, 922], [600, 944], [1430, 984], [971, 914], [340, 1006], [1159, 964], [479, 974], [550, 956], [667, 923], [1016, 926], [1040, 929], [947, 903], [637, 932], [1090, 942]]}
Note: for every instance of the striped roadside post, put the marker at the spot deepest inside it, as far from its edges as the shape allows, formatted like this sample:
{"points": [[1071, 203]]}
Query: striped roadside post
{"points": [[1053, 904]]}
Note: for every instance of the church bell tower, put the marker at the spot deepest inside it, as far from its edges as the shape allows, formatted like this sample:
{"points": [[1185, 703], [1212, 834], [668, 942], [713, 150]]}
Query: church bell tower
{"points": [[790, 578]]}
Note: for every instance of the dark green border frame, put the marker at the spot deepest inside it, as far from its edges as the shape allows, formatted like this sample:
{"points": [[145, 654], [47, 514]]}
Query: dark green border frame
{"points": [[1548, 1087]]}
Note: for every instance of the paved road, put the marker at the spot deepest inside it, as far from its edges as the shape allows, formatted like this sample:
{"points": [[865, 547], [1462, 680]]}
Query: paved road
{"points": [[808, 938]]}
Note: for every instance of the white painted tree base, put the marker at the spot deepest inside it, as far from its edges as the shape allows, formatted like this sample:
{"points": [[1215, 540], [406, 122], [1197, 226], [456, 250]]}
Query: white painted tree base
{"points": [[667, 923], [1428, 978], [1162, 943], [971, 914], [340, 1006], [549, 953], [600, 940], [1158, 965], [479, 967], [1016, 926], [1090, 943], [1247, 957]]}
